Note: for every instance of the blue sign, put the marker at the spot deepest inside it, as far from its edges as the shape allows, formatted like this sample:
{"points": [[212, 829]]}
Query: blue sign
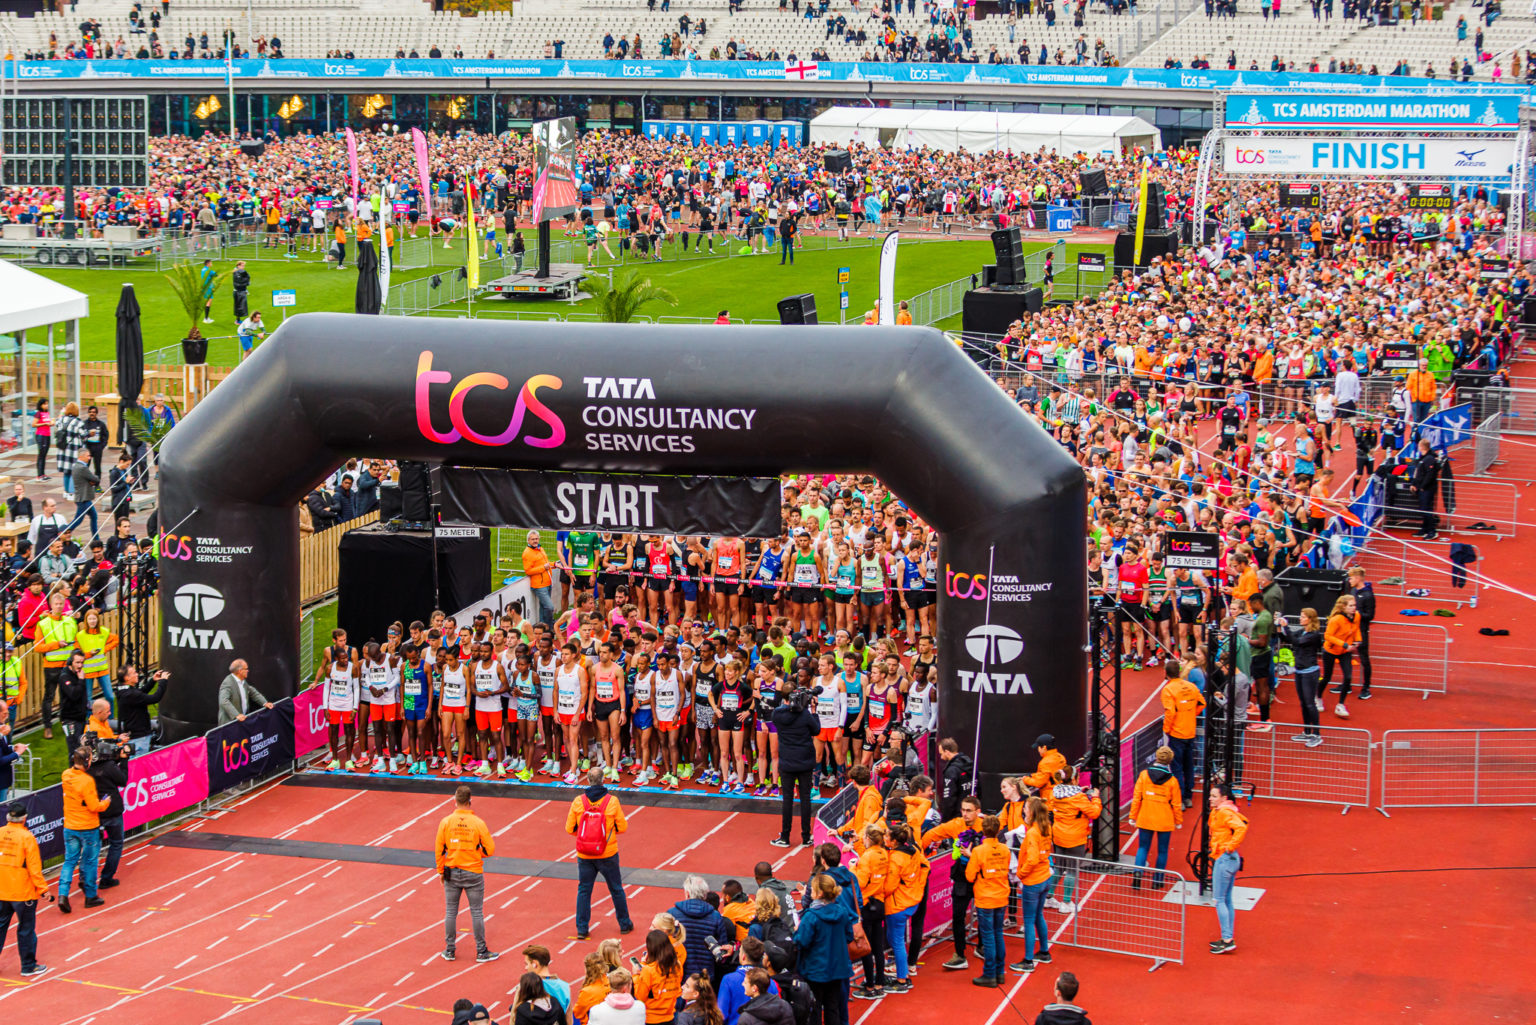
{"points": [[1450, 426], [1059, 218], [1445, 110], [696, 72], [729, 133]]}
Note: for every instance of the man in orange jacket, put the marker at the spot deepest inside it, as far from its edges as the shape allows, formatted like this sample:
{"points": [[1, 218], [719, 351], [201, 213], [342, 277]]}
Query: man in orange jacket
{"points": [[596, 819], [536, 569], [1182, 705], [21, 886], [1422, 389], [463, 844], [82, 830], [987, 872], [1051, 762]]}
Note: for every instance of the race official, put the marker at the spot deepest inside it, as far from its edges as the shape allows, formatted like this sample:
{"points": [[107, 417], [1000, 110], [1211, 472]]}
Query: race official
{"points": [[596, 819], [463, 844], [21, 886]]}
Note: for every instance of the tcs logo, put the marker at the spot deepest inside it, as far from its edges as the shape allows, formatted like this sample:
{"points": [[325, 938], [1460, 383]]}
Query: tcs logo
{"points": [[176, 547], [136, 795], [965, 585], [527, 402], [235, 756], [1247, 156]]}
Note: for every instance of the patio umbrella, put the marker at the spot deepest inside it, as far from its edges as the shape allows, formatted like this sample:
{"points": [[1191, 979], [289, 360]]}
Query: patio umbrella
{"points": [[369, 298], [130, 357]]}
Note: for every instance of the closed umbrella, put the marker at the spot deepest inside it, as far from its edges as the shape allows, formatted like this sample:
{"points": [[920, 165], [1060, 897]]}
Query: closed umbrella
{"points": [[130, 358], [369, 297]]}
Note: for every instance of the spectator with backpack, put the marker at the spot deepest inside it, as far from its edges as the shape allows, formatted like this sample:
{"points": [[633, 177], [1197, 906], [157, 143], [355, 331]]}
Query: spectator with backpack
{"points": [[596, 819], [770, 925], [792, 987]]}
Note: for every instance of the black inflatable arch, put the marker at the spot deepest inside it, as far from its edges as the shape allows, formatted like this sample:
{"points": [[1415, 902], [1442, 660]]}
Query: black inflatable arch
{"points": [[903, 403]]}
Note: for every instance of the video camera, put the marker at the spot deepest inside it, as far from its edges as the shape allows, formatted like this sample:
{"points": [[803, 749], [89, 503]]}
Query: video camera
{"points": [[111, 749], [800, 700]]}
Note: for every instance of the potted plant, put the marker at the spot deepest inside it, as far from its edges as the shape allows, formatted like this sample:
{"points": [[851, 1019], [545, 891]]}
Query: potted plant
{"points": [[192, 289], [622, 301]]}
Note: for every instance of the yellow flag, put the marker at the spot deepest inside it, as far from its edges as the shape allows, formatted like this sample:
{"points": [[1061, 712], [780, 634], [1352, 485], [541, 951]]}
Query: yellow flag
{"points": [[474, 244], [1141, 217]]}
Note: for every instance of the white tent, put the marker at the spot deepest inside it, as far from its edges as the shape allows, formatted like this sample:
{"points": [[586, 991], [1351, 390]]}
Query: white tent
{"points": [[983, 131], [30, 305]]}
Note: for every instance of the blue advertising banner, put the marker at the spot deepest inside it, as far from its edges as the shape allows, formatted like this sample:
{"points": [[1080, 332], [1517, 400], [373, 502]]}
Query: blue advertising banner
{"points": [[1341, 112], [1450, 426], [45, 820], [272, 71], [729, 133], [261, 745]]}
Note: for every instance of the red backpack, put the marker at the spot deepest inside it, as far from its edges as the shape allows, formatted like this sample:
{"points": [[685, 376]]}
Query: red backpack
{"points": [[592, 829]]}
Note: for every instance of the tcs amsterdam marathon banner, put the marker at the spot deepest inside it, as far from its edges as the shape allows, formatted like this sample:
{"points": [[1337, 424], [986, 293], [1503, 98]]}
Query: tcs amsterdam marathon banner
{"points": [[164, 782], [309, 719], [629, 503], [259, 746]]}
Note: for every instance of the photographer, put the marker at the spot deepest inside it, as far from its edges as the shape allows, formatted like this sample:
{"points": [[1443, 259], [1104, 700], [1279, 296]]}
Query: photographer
{"points": [[109, 768], [135, 695], [797, 726]]}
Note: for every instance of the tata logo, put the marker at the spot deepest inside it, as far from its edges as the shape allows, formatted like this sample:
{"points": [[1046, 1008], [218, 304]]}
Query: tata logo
{"points": [[136, 795], [198, 602], [1247, 156], [964, 585], [235, 756], [527, 402], [993, 646]]}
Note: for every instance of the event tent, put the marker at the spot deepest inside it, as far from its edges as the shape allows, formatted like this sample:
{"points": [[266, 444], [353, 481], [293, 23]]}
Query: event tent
{"points": [[982, 131], [30, 305]]}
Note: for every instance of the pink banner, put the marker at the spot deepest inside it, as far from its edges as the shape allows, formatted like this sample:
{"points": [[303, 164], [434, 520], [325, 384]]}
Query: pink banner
{"points": [[308, 721], [941, 886], [420, 142], [165, 782], [352, 163]]}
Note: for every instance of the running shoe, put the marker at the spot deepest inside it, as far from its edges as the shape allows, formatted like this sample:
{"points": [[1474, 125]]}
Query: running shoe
{"points": [[569, 779], [586, 763], [334, 764], [774, 792], [779, 841], [351, 764], [612, 775], [671, 782], [394, 763], [685, 771], [483, 770], [501, 771], [761, 791], [524, 775], [381, 766]]}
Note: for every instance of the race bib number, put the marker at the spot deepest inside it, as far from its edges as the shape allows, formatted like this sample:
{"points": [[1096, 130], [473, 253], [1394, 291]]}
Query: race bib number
{"points": [[730, 701], [805, 573], [568, 702], [727, 563], [876, 708], [581, 560]]}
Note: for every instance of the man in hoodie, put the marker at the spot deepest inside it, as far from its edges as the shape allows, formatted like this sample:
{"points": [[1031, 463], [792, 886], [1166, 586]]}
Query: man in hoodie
{"points": [[764, 1005], [1063, 1011], [706, 928], [955, 778], [762, 874], [733, 992], [619, 1007], [597, 800]]}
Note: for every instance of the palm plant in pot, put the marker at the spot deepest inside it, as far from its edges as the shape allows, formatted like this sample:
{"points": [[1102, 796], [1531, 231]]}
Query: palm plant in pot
{"points": [[622, 301], [191, 291]]}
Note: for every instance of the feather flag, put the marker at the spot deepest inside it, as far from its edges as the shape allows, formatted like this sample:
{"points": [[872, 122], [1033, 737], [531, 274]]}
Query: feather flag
{"points": [[473, 237], [1141, 216]]}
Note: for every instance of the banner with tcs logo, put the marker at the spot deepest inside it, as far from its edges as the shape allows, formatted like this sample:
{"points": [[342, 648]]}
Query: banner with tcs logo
{"points": [[166, 781], [239, 751]]}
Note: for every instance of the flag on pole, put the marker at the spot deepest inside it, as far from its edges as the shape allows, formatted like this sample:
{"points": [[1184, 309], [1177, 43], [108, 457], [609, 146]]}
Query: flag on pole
{"points": [[1141, 216], [352, 165], [473, 236], [386, 230], [420, 142], [888, 278]]}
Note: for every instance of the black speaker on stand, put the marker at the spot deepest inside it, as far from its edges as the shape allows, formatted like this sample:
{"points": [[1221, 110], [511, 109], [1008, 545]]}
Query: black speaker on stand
{"points": [[1093, 181], [415, 492], [798, 309], [1008, 246], [837, 160], [1157, 206]]}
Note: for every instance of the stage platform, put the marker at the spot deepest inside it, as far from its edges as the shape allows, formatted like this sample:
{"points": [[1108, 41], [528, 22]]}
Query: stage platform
{"points": [[564, 282]]}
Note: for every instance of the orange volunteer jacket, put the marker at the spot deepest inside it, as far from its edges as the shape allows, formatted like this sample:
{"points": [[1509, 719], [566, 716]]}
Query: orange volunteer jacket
{"points": [[21, 864], [909, 875], [1182, 703], [1012, 815], [1341, 632], [1157, 804], [1073, 813], [1228, 827], [740, 913], [987, 872], [1034, 859], [1052, 762], [81, 805], [873, 870], [1422, 386], [869, 810], [463, 841], [659, 992], [616, 822]]}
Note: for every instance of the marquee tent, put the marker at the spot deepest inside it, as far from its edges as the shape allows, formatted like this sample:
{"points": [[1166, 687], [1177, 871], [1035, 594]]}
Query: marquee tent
{"points": [[982, 131]]}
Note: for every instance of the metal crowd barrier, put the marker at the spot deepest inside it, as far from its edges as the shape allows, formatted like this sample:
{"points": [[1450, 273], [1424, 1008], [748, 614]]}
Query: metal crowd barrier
{"points": [[1477, 500], [1485, 444], [1112, 917], [1277, 765], [1415, 570], [1458, 769], [1409, 656]]}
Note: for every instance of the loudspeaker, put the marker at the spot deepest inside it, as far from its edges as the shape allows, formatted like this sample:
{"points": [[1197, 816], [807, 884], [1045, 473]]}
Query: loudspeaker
{"points": [[415, 491], [1093, 181], [836, 160], [989, 277], [1157, 206], [1154, 244], [1034, 300], [1008, 246], [797, 309], [987, 311], [253, 147], [390, 507]]}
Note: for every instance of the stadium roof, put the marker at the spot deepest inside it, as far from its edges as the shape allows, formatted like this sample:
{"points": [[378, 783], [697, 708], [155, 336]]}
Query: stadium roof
{"points": [[982, 131], [29, 300]]}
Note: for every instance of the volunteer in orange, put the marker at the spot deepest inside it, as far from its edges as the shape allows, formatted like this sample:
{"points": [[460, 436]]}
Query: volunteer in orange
{"points": [[1052, 761], [1157, 808], [82, 829], [659, 978], [1228, 827], [964, 832], [536, 569], [21, 886], [1340, 642], [908, 876], [873, 870], [1182, 704], [987, 872], [870, 809], [463, 844], [1034, 873], [1073, 811], [1422, 390], [596, 820]]}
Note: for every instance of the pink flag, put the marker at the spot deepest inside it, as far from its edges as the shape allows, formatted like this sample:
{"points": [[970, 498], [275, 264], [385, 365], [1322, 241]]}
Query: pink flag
{"points": [[352, 163], [421, 168]]}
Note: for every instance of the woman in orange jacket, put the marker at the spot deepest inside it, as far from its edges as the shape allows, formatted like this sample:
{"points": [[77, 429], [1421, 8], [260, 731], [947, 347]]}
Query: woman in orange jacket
{"points": [[1157, 808], [1034, 873], [873, 870], [987, 872], [909, 881], [1073, 811], [659, 979], [1012, 818], [1228, 827], [1340, 642]]}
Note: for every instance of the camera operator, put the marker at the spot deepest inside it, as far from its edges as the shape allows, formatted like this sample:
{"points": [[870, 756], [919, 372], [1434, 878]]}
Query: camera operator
{"points": [[109, 768], [797, 726], [135, 695]]}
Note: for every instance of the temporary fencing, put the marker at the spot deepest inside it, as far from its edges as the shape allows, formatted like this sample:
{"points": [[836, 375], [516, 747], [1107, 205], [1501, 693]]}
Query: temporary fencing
{"points": [[1473, 500], [1112, 916], [1409, 656], [1274, 763], [1458, 769], [1485, 444], [1417, 570]]}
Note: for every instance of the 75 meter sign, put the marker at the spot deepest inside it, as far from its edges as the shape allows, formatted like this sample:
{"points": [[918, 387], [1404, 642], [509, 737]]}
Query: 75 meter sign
{"points": [[1192, 549]]}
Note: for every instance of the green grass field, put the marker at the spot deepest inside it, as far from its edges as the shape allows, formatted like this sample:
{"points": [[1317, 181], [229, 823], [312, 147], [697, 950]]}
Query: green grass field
{"points": [[748, 286]]}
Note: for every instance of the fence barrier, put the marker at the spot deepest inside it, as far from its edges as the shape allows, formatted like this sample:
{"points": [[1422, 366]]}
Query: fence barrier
{"points": [[1476, 500], [1278, 766], [1112, 916], [1409, 656], [1415, 570], [1458, 769], [320, 558], [1518, 406], [1485, 444]]}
